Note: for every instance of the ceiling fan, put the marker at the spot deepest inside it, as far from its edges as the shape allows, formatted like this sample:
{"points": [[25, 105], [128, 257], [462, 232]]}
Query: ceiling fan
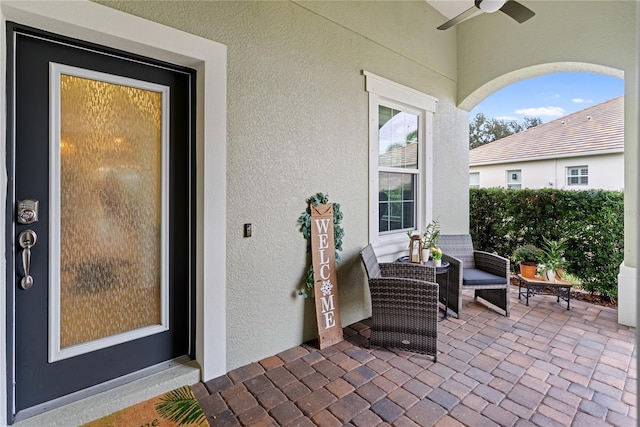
{"points": [[510, 7]]}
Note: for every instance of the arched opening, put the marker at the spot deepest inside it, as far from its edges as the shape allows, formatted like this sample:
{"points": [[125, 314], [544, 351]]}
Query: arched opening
{"points": [[627, 272], [504, 80]]}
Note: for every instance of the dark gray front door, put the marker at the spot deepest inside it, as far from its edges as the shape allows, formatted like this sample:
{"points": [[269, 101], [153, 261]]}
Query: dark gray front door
{"points": [[104, 142]]}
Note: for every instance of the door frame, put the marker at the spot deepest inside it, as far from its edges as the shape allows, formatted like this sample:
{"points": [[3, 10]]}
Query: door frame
{"points": [[99, 24]]}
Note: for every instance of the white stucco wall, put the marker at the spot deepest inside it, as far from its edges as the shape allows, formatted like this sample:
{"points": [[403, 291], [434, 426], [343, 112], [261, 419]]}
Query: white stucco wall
{"points": [[298, 124], [605, 172], [589, 36]]}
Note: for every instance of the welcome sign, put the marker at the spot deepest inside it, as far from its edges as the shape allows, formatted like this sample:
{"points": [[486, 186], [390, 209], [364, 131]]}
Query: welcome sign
{"points": [[324, 275]]}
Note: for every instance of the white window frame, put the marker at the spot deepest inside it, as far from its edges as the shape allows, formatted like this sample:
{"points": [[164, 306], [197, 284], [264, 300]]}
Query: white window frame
{"points": [[477, 180], [514, 184], [386, 92], [579, 169]]}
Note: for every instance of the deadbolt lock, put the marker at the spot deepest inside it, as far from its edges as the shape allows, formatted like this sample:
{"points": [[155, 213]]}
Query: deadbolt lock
{"points": [[27, 211]]}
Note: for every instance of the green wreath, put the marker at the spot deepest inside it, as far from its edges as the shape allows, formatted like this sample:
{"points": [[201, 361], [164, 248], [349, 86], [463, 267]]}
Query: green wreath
{"points": [[305, 227]]}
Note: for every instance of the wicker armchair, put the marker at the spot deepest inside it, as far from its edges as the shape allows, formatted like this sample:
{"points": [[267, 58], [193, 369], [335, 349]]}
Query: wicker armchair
{"points": [[487, 274], [404, 303]]}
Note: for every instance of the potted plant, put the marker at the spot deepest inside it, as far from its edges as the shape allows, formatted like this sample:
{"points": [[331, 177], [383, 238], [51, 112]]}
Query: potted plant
{"points": [[431, 235], [528, 256], [429, 238], [553, 260], [436, 253]]}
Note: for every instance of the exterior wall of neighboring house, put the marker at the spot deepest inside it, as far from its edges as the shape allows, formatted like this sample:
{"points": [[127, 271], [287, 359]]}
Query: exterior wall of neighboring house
{"points": [[297, 123], [604, 172]]}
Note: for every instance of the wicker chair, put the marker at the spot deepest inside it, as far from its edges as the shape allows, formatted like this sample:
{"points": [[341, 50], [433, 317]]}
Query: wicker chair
{"points": [[404, 303], [487, 274]]}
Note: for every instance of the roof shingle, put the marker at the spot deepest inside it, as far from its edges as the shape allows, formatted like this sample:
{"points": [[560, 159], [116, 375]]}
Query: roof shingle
{"points": [[594, 130]]}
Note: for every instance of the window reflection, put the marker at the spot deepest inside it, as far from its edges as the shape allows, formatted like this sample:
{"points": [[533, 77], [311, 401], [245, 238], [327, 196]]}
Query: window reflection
{"points": [[397, 197]]}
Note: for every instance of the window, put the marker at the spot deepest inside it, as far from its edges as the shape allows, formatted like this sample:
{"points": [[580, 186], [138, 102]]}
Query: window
{"points": [[474, 180], [398, 144], [514, 179], [577, 175], [400, 157]]}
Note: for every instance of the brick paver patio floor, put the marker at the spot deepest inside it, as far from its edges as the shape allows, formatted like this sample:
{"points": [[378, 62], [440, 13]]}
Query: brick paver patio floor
{"points": [[542, 366]]}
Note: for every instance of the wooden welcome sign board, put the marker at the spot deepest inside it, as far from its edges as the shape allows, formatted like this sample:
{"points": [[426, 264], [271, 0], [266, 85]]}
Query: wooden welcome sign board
{"points": [[325, 282]]}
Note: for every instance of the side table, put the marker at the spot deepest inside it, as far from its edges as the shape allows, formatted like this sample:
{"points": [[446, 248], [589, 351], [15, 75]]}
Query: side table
{"points": [[442, 269]]}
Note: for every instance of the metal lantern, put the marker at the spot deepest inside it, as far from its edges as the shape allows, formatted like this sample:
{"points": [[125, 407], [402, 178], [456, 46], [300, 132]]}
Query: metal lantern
{"points": [[415, 249]]}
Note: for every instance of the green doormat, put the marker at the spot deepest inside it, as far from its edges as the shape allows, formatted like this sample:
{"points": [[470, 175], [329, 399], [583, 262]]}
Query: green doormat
{"points": [[175, 408]]}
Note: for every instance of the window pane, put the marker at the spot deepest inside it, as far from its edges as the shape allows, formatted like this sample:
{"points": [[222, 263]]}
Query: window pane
{"points": [[397, 138], [396, 201], [383, 202], [513, 176], [107, 286], [578, 175], [474, 179]]}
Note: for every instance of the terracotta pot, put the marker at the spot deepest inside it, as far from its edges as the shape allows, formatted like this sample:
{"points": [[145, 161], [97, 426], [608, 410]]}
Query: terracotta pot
{"points": [[528, 270]]}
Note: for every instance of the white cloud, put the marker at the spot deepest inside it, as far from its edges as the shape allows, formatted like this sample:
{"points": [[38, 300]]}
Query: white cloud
{"points": [[542, 111], [582, 101]]}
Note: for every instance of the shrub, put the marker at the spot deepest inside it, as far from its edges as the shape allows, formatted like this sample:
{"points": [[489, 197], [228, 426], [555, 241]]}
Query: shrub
{"points": [[590, 221], [528, 254]]}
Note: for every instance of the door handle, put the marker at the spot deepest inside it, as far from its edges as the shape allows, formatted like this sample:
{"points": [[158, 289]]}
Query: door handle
{"points": [[27, 239]]}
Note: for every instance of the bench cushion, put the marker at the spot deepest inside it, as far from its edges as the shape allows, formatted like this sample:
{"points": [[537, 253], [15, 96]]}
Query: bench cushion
{"points": [[475, 277]]}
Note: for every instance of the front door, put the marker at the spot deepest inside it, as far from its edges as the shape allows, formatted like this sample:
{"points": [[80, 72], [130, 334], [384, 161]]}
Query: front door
{"points": [[99, 216]]}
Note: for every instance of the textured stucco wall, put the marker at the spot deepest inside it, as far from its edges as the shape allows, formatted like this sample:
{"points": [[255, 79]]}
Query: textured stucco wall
{"points": [[297, 124], [605, 172], [595, 34]]}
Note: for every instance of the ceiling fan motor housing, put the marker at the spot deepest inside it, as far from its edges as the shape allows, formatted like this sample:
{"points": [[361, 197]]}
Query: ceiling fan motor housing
{"points": [[489, 6], [511, 8]]}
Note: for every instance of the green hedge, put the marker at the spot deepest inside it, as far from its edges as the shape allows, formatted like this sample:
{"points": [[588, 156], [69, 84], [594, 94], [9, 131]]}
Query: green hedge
{"points": [[590, 220]]}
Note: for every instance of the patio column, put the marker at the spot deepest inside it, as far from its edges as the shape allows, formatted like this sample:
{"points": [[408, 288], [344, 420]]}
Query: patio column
{"points": [[628, 276]]}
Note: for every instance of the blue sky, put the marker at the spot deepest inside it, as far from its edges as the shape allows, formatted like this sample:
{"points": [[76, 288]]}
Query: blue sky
{"points": [[550, 96]]}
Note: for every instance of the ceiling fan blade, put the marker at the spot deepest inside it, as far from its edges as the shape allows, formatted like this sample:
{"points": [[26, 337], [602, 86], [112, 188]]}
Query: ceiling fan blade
{"points": [[464, 15], [517, 11]]}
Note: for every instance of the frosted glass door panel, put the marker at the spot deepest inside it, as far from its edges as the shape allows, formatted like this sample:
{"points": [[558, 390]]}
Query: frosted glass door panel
{"points": [[108, 191]]}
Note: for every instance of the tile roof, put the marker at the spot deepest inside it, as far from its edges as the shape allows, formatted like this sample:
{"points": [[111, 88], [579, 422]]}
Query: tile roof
{"points": [[594, 130]]}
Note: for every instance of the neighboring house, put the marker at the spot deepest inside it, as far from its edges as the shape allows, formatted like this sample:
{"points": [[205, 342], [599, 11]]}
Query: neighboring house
{"points": [[584, 150], [290, 98]]}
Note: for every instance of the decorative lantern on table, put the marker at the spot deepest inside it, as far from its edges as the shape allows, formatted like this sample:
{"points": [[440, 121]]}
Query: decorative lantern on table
{"points": [[415, 249]]}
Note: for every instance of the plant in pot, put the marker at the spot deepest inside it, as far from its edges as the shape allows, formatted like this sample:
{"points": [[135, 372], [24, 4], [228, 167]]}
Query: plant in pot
{"points": [[429, 238], [437, 256], [528, 256], [553, 260]]}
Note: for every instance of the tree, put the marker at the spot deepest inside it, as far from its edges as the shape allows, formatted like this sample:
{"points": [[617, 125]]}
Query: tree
{"points": [[483, 130]]}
